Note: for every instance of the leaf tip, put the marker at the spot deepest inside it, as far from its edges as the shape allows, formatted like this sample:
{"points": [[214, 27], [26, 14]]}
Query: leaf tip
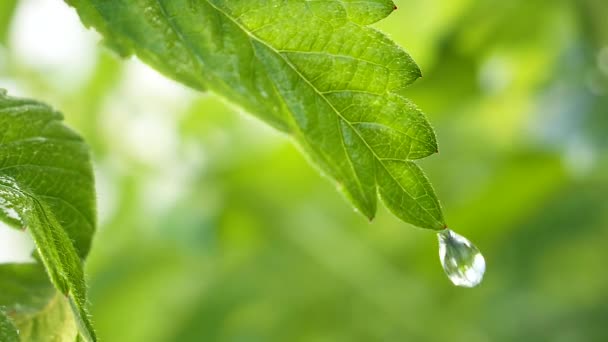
{"points": [[439, 227]]}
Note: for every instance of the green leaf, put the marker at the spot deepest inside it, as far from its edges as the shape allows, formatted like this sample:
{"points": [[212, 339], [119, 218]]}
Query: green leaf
{"points": [[312, 69], [47, 187], [8, 332], [38, 311]]}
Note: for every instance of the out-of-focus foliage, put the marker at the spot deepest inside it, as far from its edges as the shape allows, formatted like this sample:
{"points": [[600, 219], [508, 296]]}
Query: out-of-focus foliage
{"points": [[6, 10], [214, 228]]}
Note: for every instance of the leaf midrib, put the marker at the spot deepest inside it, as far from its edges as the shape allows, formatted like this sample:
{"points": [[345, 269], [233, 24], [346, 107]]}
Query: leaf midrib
{"points": [[35, 198], [87, 220]]}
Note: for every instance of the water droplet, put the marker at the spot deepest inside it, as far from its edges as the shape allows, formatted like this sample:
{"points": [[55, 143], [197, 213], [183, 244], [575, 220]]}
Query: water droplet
{"points": [[461, 260]]}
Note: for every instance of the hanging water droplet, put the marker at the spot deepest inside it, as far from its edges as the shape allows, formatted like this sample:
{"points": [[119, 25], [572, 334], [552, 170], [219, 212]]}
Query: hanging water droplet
{"points": [[461, 260]]}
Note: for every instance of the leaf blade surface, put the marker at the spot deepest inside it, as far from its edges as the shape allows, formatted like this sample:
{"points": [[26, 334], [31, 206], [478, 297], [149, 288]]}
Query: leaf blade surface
{"points": [[312, 69]]}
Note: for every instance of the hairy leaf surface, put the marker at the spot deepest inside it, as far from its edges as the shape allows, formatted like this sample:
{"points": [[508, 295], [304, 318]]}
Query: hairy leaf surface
{"points": [[311, 68], [47, 188]]}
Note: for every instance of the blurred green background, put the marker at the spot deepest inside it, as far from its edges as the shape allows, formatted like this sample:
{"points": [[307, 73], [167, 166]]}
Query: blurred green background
{"points": [[213, 227]]}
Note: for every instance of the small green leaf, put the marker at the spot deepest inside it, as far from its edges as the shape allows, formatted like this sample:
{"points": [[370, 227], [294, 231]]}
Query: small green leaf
{"points": [[47, 188], [310, 68], [8, 332]]}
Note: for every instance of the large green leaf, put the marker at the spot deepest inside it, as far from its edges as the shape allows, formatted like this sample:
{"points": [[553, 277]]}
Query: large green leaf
{"points": [[312, 69], [47, 187]]}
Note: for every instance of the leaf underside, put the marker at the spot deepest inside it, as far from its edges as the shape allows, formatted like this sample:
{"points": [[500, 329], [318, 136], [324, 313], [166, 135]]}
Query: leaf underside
{"points": [[47, 188], [310, 68], [35, 307]]}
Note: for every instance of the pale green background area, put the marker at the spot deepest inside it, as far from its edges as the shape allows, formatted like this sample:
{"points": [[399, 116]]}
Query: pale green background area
{"points": [[215, 228]]}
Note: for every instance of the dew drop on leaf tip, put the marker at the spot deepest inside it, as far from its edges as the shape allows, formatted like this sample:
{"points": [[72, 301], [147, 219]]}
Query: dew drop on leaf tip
{"points": [[461, 260]]}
